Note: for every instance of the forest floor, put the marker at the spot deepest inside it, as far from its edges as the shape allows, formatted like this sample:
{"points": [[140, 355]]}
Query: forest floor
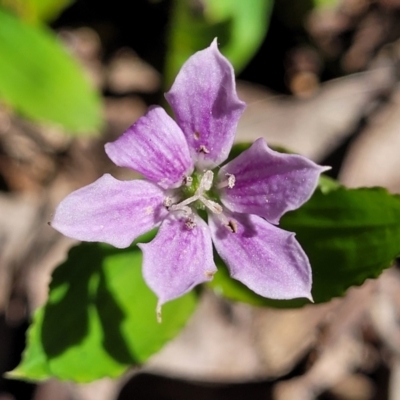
{"points": [[347, 349]]}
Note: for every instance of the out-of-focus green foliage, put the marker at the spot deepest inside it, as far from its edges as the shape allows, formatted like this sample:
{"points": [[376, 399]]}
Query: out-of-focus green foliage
{"points": [[325, 3], [100, 318], [41, 80], [349, 235], [240, 27], [36, 11]]}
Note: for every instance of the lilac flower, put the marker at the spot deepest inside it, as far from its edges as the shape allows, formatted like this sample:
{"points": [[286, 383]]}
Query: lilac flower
{"points": [[242, 199]]}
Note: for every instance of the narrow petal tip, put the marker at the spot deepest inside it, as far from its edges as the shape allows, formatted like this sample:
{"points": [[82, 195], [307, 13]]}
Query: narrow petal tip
{"points": [[324, 168], [214, 43]]}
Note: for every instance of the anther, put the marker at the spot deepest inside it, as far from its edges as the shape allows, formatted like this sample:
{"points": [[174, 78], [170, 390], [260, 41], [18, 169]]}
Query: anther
{"points": [[203, 149], [190, 223], [167, 202], [232, 226], [230, 182], [187, 180]]}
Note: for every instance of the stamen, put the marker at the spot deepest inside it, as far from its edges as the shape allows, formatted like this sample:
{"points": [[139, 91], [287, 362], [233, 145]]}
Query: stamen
{"points": [[232, 226], [230, 182], [187, 181], [190, 223], [170, 200], [205, 185], [203, 149], [228, 223], [167, 202]]}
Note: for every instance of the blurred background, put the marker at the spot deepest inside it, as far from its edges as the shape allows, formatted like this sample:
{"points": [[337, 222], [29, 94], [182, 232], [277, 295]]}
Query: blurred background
{"points": [[320, 77]]}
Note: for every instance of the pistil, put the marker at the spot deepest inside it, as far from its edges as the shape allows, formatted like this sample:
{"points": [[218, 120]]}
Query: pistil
{"points": [[200, 195], [205, 185]]}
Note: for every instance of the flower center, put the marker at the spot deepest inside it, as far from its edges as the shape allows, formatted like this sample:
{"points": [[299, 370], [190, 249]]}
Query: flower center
{"points": [[196, 192]]}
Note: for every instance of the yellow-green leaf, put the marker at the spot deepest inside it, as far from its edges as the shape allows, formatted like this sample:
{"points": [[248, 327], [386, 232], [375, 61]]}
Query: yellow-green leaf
{"points": [[41, 80]]}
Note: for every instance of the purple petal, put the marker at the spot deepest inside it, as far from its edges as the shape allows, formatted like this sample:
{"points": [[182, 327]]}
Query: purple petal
{"points": [[111, 211], [206, 105], [179, 258], [268, 183], [264, 257], [155, 147]]}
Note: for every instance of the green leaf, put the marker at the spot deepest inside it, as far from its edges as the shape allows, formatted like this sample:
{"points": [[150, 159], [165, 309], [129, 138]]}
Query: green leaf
{"points": [[36, 11], [327, 184], [326, 3], [240, 27], [39, 79], [99, 319], [47, 10], [349, 235]]}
